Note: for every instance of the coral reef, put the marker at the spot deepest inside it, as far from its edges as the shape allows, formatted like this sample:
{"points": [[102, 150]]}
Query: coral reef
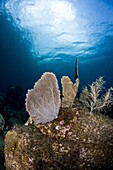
{"points": [[73, 141], [2, 122], [93, 98], [12, 114], [62, 138], [69, 89], [43, 102]]}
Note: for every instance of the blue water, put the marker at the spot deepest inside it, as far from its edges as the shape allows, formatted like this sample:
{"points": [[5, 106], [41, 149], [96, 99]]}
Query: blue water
{"points": [[47, 35]]}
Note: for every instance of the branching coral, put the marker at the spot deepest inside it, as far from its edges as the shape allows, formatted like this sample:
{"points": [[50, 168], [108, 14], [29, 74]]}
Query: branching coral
{"points": [[93, 98]]}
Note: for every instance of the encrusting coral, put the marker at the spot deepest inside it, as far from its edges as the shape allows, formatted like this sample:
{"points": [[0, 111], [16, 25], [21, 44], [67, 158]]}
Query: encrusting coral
{"points": [[69, 89]]}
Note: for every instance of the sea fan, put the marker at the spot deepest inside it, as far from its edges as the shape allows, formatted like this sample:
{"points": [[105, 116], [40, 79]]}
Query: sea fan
{"points": [[43, 102]]}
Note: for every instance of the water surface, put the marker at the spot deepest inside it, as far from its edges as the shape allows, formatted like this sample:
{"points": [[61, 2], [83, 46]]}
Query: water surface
{"points": [[47, 35]]}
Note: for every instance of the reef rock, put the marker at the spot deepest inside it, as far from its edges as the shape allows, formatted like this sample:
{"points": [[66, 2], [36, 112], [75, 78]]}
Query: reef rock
{"points": [[2, 122], [74, 141]]}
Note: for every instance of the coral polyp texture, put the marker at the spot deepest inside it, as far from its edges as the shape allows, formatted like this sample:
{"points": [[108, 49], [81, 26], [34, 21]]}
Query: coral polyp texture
{"points": [[43, 101]]}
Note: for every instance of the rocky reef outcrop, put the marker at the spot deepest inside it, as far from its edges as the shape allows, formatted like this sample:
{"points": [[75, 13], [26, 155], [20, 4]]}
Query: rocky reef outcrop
{"points": [[62, 134], [76, 140]]}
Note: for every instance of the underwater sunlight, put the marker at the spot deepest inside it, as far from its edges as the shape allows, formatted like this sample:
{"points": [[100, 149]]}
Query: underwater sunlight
{"points": [[55, 32], [56, 84]]}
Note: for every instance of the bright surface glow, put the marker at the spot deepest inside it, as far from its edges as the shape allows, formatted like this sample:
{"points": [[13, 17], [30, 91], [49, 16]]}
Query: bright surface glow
{"points": [[47, 35], [72, 27], [49, 19], [53, 23]]}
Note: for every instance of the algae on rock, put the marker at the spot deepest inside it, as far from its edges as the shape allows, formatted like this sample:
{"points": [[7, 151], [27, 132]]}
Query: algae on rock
{"points": [[73, 141]]}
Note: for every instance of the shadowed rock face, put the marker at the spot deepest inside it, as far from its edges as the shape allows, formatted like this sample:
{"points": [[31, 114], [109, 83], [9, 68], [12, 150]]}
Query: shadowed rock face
{"points": [[74, 141]]}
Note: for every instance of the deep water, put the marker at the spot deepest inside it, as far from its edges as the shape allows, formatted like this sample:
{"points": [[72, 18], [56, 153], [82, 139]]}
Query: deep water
{"points": [[47, 35]]}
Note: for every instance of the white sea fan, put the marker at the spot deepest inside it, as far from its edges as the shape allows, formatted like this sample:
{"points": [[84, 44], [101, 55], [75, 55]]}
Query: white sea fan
{"points": [[43, 101]]}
